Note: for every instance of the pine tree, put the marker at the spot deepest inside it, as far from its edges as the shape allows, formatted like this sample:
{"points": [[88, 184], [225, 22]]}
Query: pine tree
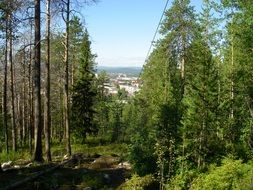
{"points": [[66, 77], [37, 87], [180, 26], [75, 39], [47, 103]]}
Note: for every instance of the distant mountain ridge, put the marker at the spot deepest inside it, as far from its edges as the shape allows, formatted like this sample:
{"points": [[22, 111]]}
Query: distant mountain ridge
{"points": [[134, 71]]}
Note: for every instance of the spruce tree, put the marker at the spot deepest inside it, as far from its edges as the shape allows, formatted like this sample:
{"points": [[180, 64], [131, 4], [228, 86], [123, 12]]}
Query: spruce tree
{"points": [[84, 93], [201, 104]]}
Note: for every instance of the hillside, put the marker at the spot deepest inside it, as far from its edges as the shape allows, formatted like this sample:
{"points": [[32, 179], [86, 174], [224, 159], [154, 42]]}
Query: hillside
{"points": [[130, 71]]}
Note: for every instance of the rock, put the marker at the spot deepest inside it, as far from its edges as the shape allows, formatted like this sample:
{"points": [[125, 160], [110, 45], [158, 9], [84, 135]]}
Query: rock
{"points": [[65, 157], [104, 162], [28, 165], [106, 176], [126, 165], [6, 165], [16, 167], [87, 188]]}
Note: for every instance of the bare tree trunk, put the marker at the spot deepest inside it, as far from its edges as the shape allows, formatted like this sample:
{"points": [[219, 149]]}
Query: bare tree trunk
{"points": [[19, 128], [24, 123], [30, 116], [62, 129], [13, 120], [47, 117], [231, 115], [232, 80], [37, 96], [182, 66], [5, 118], [73, 71], [30, 101], [66, 85]]}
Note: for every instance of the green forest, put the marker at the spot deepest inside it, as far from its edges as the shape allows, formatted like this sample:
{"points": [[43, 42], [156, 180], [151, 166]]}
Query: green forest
{"points": [[190, 126]]}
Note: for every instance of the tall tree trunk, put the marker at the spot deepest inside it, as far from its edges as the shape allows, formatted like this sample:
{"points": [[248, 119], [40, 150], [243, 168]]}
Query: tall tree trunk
{"points": [[30, 101], [37, 96], [47, 117], [5, 115], [66, 82], [19, 128], [232, 80], [231, 114], [62, 129], [24, 123], [13, 120], [182, 64], [73, 70]]}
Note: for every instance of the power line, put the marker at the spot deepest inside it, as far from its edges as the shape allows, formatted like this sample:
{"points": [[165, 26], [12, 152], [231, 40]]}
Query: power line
{"points": [[154, 37]]}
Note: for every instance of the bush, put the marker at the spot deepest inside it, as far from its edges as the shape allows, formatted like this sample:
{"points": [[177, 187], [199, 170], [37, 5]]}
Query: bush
{"points": [[182, 180], [13, 156], [232, 174], [93, 180], [140, 183]]}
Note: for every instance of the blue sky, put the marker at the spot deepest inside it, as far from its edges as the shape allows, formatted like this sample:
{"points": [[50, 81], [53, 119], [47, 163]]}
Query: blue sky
{"points": [[121, 30]]}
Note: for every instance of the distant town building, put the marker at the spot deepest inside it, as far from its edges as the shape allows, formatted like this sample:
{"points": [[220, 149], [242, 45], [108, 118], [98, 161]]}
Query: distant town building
{"points": [[122, 81]]}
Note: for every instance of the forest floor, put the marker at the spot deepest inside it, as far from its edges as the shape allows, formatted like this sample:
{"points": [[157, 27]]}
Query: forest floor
{"points": [[82, 172]]}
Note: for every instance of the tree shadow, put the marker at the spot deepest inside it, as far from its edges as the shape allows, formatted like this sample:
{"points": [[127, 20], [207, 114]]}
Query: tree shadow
{"points": [[67, 178]]}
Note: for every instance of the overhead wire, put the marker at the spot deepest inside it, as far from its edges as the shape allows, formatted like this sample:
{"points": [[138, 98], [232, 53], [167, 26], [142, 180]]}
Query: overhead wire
{"points": [[154, 37]]}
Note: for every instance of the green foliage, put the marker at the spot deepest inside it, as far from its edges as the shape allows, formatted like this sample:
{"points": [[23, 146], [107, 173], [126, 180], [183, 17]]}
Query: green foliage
{"points": [[182, 180], [14, 156], [115, 118], [195, 105], [232, 174], [139, 183], [238, 73], [200, 124], [158, 106], [141, 149], [94, 146], [111, 149], [84, 93], [93, 180], [141, 154], [193, 117]]}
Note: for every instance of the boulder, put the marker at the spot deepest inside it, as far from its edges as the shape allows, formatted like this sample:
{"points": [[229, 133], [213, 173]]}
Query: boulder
{"points": [[6, 165]]}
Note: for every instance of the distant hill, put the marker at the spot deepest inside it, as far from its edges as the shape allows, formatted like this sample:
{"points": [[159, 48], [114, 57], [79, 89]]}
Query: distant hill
{"points": [[131, 71]]}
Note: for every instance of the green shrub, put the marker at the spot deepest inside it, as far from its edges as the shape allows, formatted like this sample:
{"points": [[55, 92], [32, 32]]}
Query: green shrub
{"points": [[109, 149], [232, 174], [182, 180], [93, 180], [142, 158], [139, 183], [13, 156]]}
